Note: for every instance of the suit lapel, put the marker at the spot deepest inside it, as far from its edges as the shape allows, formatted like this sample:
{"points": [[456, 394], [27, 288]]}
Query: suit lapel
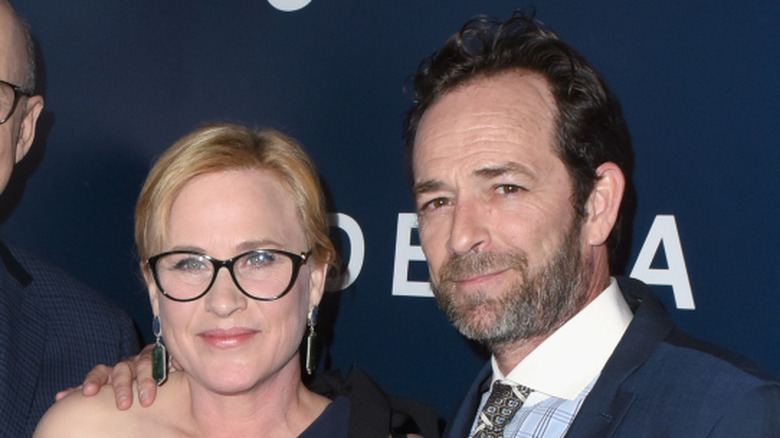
{"points": [[22, 324], [464, 418], [608, 401]]}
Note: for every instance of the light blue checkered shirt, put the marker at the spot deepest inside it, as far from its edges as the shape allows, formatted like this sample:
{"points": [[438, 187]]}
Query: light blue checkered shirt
{"points": [[547, 418]]}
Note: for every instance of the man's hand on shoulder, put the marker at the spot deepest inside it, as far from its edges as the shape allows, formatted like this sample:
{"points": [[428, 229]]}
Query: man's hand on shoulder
{"points": [[121, 377]]}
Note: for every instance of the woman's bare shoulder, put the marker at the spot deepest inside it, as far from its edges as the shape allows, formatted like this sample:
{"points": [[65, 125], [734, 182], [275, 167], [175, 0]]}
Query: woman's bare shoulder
{"points": [[80, 416], [97, 416]]}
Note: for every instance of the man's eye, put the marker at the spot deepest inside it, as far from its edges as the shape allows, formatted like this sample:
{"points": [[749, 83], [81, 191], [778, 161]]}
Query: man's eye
{"points": [[508, 189], [434, 204]]}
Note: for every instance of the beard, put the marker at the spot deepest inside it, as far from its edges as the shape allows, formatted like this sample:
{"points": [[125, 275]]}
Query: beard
{"points": [[537, 303]]}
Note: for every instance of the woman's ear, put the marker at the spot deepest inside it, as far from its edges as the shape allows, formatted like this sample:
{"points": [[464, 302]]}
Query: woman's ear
{"points": [[603, 204], [151, 287], [317, 276]]}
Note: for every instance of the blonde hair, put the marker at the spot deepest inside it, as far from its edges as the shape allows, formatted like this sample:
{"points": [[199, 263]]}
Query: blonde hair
{"points": [[222, 146]]}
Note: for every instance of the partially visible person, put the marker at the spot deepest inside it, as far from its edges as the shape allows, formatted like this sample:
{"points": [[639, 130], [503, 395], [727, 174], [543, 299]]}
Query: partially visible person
{"points": [[519, 159], [225, 196], [53, 329]]}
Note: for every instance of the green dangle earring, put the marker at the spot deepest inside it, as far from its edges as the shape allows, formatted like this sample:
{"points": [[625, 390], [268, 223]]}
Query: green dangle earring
{"points": [[159, 354]]}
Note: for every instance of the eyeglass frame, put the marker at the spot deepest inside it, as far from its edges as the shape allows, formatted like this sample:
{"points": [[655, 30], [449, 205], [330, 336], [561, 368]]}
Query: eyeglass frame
{"points": [[298, 261], [18, 93]]}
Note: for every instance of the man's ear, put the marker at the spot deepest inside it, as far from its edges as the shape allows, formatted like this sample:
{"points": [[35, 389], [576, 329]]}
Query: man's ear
{"points": [[603, 204], [33, 107]]}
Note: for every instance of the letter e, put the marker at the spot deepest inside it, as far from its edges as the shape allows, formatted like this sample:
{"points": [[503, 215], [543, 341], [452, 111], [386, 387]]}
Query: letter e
{"points": [[405, 253]]}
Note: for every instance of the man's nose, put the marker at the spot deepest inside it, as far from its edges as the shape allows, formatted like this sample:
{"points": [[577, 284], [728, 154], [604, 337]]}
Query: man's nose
{"points": [[469, 230]]}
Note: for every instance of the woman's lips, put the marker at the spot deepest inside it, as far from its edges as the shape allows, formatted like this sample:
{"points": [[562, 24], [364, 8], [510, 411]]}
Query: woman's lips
{"points": [[227, 338]]}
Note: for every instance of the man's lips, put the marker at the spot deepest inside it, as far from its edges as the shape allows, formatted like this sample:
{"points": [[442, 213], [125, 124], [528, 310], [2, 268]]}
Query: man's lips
{"points": [[227, 338], [478, 279]]}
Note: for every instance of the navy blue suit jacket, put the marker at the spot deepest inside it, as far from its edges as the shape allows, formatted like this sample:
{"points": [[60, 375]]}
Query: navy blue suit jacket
{"points": [[661, 382], [53, 330]]}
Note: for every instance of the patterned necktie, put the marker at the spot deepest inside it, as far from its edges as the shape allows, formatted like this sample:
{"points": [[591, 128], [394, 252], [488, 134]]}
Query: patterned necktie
{"points": [[502, 404]]}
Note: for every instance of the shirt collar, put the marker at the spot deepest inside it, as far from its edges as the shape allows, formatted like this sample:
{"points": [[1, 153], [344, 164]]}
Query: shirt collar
{"points": [[569, 359]]}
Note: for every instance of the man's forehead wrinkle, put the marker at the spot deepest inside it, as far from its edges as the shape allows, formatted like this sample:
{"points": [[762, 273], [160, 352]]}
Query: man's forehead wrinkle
{"points": [[496, 128], [494, 125]]}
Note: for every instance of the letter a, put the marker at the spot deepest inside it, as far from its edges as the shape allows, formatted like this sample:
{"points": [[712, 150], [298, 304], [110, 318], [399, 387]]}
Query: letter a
{"points": [[664, 230]]}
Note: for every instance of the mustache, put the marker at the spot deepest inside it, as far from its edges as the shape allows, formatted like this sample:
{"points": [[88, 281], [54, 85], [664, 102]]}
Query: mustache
{"points": [[457, 267]]}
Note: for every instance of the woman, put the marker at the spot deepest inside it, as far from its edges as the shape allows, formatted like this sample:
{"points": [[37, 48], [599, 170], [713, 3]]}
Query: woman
{"points": [[225, 196]]}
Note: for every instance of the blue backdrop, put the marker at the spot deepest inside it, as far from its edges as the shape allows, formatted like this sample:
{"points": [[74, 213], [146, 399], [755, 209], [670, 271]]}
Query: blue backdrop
{"points": [[123, 80]]}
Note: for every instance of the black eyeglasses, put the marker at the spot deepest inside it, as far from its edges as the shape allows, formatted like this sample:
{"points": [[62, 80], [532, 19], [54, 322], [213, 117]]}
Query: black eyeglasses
{"points": [[262, 274], [9, 97]]}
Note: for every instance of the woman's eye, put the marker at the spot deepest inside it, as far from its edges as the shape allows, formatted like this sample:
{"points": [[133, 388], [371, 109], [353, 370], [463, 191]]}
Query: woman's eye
{"points": [[259, 259], [189, 264]]}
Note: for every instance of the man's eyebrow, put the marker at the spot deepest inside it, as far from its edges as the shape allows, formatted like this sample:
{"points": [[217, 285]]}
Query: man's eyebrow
{"points": [[427, 186], [487, 172], [511, 167]]}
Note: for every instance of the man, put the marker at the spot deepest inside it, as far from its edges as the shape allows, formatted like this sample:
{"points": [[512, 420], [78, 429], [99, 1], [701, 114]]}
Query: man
{"points": [[52, 328], [519, 160]]}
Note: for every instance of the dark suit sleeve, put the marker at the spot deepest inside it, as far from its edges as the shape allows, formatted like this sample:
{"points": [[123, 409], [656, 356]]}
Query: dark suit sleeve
{"points": [[755, 414], [128, 337], [53, 330]]}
